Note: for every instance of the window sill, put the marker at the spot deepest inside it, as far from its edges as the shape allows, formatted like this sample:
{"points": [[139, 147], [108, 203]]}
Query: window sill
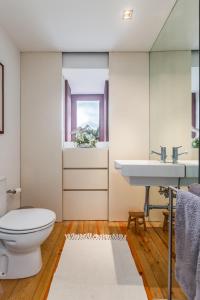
{"points": [[102, 145]]}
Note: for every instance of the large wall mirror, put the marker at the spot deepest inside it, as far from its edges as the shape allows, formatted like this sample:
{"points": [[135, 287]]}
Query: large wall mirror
{"points": [[174, 83], [1, 98]]}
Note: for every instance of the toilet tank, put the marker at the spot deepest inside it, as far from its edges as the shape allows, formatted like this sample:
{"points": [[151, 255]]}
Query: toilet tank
{"points": [[3, 196]]}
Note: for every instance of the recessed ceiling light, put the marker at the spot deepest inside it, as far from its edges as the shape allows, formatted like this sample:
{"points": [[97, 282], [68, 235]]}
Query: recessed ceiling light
{"points": [[127, 14]]}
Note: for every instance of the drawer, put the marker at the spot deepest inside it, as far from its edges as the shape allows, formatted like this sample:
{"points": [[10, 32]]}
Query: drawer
{"points": [[85, 205], [85, 179], [85, 158]]}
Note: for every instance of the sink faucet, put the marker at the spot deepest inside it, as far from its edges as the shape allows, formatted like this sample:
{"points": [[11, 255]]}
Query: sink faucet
{"points": [[162, 154], [175, 154]]}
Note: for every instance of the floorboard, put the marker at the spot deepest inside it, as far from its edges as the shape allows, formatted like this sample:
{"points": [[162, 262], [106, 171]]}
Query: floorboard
{"points": [[149, 250]]}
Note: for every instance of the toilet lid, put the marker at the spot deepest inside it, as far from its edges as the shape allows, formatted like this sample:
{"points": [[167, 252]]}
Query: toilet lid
{"points": [[27, 219]]}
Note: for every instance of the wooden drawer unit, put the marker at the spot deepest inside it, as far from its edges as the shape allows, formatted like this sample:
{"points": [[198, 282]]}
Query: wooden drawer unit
{"points": [[85, 205], [85, 179], [85, 184], [85, 158]]}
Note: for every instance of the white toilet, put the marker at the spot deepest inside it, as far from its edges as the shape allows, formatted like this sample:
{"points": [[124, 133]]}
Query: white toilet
{"points": [[22, 231]]}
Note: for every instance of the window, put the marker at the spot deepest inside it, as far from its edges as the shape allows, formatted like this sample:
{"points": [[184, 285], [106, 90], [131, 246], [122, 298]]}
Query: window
{"points": [[88, 113], [86, 109], [195, 98]]}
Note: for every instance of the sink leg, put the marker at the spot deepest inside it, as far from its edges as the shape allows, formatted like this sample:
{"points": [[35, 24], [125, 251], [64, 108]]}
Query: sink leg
{"points": [[146, 204]]}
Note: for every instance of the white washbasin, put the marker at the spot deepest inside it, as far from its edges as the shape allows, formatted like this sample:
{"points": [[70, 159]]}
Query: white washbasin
{"points": [[156, 173], [191, 171], [191, 168]]}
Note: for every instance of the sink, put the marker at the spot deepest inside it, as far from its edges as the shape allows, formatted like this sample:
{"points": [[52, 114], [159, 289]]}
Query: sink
{"points": [[191, 167], [191, 171], [156, 173]]}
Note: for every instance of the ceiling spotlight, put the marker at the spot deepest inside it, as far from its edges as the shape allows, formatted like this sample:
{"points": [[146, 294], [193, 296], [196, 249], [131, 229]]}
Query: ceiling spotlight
{"points": [[127, 14]]}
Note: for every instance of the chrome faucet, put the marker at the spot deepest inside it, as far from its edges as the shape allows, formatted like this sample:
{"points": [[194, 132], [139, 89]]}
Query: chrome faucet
{"points": [[162, 154], [175, 154]]}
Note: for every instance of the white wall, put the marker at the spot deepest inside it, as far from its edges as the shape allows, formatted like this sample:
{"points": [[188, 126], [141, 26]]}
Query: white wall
{"points": [[10, 140], [128, 127], [41, 138], [84, 60]]}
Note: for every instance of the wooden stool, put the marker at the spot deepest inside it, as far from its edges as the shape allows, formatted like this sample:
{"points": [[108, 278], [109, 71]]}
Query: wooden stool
{"points": [[138, 218], [166, 218]]}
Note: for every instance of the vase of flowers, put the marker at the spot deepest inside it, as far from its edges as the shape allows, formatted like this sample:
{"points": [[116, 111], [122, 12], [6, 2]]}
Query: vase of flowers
{"points": [[86, 137]]}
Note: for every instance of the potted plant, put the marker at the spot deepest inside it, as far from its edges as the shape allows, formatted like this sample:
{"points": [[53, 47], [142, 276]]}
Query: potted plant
{"points": [[86, 137], [195, 143]]}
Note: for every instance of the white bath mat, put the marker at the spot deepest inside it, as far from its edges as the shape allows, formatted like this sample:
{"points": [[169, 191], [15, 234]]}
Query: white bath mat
{"points": [[96, 268]]}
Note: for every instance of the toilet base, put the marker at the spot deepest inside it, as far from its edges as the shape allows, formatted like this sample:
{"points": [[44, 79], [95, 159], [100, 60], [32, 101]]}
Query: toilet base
{"points": [[19, 265]]}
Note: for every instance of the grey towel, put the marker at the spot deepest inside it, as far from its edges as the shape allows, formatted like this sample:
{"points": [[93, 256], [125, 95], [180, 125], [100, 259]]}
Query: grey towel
{"points": [[187, 230], [198, 279], [194, 189]]}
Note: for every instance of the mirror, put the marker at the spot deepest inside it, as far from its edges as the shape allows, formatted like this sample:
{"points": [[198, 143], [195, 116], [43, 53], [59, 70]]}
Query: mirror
{"points": [[1, 98], [174, 84]]}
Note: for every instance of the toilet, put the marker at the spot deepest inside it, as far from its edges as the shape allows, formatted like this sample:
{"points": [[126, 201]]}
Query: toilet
{"points": [[22, 231]]}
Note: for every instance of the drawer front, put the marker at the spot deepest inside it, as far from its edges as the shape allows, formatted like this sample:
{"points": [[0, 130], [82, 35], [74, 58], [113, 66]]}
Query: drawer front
{"points": [[85, 158], [85, 179], [85, 205]]}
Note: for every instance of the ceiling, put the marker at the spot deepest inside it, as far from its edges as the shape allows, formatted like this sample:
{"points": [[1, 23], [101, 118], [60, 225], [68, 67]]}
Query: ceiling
{"points": [[86, 81], [181, 31], [83, 25]]}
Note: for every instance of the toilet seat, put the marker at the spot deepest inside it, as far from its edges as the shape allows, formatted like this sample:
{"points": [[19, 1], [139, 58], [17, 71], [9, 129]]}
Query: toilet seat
{"points": [[23, 221], [18, 232]]}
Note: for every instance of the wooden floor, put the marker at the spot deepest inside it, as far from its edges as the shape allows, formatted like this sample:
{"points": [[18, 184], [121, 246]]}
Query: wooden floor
{"points": [[148, 248]]}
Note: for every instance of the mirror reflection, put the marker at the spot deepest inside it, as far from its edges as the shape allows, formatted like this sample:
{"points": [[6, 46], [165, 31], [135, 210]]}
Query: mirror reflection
{"points": [[174, 86]]}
